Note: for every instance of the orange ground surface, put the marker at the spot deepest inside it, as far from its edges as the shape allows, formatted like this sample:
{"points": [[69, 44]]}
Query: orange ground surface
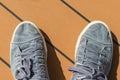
{"points": [[61, 22]]}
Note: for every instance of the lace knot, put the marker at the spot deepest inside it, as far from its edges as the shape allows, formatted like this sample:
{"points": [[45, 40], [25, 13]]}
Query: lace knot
{"points": [[87, 73], [23, 72]]}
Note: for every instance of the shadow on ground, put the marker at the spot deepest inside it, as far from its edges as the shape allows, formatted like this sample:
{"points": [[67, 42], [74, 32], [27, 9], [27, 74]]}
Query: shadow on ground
{"points": [[54, 65], [113, 72]]}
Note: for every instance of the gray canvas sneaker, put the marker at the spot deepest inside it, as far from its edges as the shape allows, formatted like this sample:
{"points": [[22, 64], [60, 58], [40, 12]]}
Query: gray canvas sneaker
{"points": [[93, 54], [28, 53]]}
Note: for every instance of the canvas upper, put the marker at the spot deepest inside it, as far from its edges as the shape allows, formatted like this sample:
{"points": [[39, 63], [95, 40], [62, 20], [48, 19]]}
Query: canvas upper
{"points": [[28, 53]]}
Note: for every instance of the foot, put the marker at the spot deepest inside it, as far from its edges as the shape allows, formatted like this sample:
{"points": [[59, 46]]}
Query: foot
{"points": [[28, 53], [93, 54]]}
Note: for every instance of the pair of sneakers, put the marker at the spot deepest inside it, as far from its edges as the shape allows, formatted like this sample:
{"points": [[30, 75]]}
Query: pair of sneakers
{"points": [[93, 54]]}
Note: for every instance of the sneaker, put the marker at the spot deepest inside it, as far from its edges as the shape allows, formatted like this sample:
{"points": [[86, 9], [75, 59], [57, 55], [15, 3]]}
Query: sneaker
{"points": [[28, 53], [93, 54]]}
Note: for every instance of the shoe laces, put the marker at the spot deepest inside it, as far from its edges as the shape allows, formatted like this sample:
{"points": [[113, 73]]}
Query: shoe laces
{"points": [[25, 62], [86, 73], [88, 61]]}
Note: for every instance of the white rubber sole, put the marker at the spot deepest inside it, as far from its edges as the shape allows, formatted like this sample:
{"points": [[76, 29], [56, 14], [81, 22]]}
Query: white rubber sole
{"points": [[35, 27], [85, 29]]}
